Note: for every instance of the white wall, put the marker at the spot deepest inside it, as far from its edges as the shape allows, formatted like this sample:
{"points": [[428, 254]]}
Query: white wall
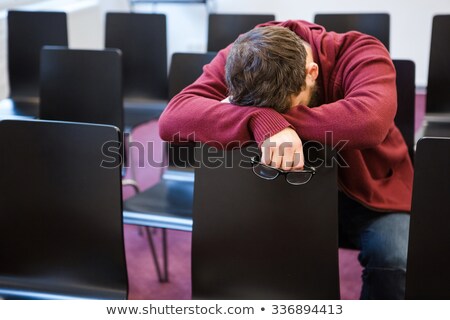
{"points": [[186, 25], [3, 56], [410, 21]]}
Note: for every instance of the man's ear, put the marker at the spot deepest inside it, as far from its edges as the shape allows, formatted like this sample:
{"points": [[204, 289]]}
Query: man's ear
{"points": [[312, 70]]}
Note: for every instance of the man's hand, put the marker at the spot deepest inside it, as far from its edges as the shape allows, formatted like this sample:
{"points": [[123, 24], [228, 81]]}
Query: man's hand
{"points": [[283, 150]]}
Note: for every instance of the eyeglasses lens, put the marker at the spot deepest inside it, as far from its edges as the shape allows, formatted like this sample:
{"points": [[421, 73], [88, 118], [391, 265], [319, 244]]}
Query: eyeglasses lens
{"points": [[265, 172], [298, 177]]}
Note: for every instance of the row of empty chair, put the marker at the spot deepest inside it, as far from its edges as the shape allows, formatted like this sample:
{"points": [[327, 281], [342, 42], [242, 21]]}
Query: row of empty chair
{"points": [[85, 86], [141, 38], [145, 53], [65, 240], [145, 79]]}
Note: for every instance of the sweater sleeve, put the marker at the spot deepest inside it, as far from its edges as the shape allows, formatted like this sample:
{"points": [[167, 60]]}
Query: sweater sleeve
{"points": [[366, 100], [197, 113]]}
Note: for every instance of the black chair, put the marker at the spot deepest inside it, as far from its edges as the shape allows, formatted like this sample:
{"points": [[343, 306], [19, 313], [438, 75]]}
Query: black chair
{"points": [[438, 95], [28, 32], [261, 239], [84, 86], [61, 230], [437, 128], [374, 24], [142, 40], [429, 236], [81, 86], [168, 204], [406, 95], [185, 68], [223, 29]]}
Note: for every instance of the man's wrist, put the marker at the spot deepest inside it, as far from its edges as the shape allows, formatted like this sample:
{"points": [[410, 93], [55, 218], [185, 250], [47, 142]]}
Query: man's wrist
{"points": [[265, 123]]}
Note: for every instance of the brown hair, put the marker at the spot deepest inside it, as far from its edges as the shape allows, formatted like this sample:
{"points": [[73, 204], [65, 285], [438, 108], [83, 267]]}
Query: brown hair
{"points": [[265, 67]]}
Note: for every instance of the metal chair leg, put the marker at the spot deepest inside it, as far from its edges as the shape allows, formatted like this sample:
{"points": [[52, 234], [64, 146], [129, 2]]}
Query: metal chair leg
{"points": [[164, 275]]}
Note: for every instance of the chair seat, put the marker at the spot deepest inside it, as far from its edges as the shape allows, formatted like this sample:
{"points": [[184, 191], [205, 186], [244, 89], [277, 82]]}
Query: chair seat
{"points": [[139, 112], [437, 129], [45, 289], [165, 205], [19, 108]]}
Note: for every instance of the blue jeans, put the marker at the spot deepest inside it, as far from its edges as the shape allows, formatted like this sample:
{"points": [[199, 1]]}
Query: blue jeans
{"points": [[383, 241]]}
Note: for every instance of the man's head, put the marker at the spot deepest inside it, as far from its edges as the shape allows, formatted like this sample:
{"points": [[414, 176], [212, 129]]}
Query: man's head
{"points": [[270, 67]]}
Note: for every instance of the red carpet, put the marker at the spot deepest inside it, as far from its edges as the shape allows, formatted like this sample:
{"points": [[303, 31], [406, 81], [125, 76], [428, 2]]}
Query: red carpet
{"points": [[142, 279]]}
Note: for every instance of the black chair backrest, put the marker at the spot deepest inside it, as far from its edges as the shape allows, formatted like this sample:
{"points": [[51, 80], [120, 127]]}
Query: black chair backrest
{"points": [[223, 29], [374, 24], [259, 239], [429, 235], [81, 86], [61, 230], [406, 97], [185, 68], [28, 32], [142, 38], [438, 93]]}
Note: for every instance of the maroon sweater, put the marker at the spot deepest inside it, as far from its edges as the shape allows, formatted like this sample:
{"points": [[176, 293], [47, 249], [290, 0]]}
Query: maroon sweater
{"points": [[359, 102]]}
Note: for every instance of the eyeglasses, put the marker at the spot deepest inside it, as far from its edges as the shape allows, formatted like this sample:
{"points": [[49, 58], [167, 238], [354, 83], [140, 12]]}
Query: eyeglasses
{"points": [[295, 178]]}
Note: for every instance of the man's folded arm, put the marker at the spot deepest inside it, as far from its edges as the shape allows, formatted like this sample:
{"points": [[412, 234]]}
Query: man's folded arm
{"points": [[197, 113]]}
